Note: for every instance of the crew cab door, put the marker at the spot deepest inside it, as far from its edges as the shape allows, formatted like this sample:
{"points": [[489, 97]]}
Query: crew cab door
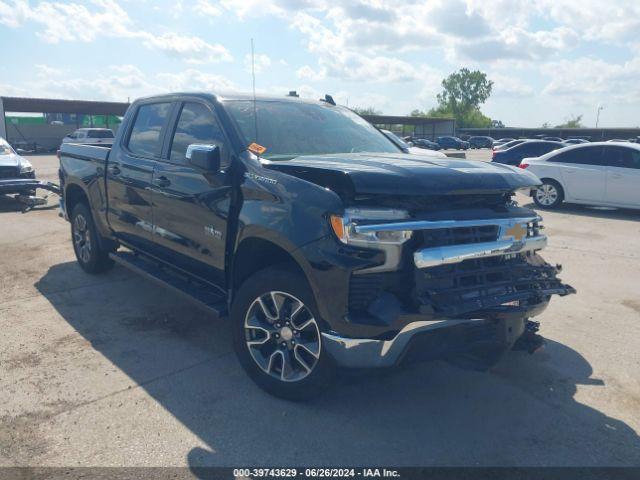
{"points": [[130, 174], [583, 173], [191, 206], [623, 176]]}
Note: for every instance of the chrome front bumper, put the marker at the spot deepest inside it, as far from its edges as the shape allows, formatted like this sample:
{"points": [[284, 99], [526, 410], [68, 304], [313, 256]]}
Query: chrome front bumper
{"points": [[515, 235], [431, 257]]}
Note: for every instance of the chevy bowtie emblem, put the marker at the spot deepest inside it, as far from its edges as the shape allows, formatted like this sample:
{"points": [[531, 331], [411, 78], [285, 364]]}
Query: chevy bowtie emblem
{"points": [[517, 231]]}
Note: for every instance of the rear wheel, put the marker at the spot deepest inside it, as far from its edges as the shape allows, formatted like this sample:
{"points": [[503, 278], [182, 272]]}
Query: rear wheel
{"points": [[91, 257], [277, 335], [549, 194]]}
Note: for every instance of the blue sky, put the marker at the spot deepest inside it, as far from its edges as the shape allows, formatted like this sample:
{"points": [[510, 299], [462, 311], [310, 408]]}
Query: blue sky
{"points": [[549, 59]]}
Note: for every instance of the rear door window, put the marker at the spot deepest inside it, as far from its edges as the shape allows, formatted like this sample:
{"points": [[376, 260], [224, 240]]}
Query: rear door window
{"points": [[144, 138], [581, 156], [622, 157]]}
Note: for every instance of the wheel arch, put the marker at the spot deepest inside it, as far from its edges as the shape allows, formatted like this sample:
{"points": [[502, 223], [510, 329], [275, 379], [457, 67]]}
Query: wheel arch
{"points": [[74, 194], [256, 253]]}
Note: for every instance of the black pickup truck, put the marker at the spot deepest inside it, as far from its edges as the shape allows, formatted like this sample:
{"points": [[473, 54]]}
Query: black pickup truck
{"points": [[324, 243]]}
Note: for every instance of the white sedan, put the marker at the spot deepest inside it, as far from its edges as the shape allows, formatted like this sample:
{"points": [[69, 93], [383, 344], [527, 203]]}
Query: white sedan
{"points": [[599, 173]]}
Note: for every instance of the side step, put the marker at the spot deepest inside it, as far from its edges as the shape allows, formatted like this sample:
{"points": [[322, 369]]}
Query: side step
{"points": [[203, 295]]}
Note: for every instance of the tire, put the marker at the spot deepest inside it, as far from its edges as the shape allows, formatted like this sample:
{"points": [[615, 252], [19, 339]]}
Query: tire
{"points": [[549, 195], [282, 353], [86, 245]]}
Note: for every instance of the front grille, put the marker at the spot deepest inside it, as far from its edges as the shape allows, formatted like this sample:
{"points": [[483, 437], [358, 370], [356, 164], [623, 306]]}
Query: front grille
{"points": [[9, 172], [364, 289], [459, 236], [484, 283]]}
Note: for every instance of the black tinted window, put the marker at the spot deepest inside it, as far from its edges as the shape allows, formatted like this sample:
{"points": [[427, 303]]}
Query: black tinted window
{"points": [[100, 134], [196, 125], [581, 156], [145, 134], [622, 157]]}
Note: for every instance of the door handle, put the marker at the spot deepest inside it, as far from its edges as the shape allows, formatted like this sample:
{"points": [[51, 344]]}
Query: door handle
{"points": [[162, 181], [114, 170]]}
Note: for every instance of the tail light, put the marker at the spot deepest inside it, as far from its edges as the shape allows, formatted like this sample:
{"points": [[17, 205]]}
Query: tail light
{"points": [[523, 165]]}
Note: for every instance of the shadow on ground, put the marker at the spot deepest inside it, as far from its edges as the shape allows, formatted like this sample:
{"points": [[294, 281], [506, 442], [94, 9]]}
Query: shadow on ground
{"points": [[523, 412]]}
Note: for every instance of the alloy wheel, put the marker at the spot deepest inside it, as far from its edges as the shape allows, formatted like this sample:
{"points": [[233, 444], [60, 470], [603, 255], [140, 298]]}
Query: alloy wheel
{"points": [[547, 194], [282, 336], [82, 238]]}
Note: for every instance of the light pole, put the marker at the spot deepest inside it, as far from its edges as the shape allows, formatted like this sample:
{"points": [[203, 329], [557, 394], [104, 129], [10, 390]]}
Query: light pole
{"points": [[600, 108]]}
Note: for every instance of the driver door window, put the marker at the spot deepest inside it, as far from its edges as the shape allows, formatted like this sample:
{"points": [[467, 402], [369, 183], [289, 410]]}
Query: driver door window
{"points": [[197, 124]]}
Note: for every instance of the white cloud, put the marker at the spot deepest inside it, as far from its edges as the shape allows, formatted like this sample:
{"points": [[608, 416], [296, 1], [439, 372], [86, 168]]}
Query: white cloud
{"points": [[191, 49], [195, 80], [307, 73], [76, 22], [205, 7], [261, 61], [596, 79]]}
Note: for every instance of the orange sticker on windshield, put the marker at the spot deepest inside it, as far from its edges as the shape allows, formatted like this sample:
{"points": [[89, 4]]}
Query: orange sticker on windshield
{"points": [[257, 149]]}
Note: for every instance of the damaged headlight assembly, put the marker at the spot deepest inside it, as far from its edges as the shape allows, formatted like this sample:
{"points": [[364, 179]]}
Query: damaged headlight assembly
{"points": [[390, 241], [25, 167]]}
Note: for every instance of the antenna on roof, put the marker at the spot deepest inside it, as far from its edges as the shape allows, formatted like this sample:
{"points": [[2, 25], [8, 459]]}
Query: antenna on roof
{"points": [[253, 75]]}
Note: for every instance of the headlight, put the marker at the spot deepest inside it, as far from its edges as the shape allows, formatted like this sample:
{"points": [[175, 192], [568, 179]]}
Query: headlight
{"points": [[345, 226], [26, 167]]}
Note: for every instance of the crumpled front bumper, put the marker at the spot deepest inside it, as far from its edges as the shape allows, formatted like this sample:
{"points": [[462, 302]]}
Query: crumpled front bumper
{"points": [[429, 340], [26, 185]]}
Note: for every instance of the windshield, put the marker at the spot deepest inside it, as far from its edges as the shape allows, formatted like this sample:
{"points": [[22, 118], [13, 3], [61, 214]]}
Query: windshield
{"points": [[290, 129]]}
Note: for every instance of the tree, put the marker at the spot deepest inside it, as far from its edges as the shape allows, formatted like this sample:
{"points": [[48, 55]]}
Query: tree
{"points": [[462, 94], [366, 111], [464, 91], [546, 125], [418, 113], [497, 124], [573, 122]]}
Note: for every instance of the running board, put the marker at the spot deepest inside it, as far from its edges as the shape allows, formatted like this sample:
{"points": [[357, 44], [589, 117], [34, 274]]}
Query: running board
{"points": [[203, 295]]}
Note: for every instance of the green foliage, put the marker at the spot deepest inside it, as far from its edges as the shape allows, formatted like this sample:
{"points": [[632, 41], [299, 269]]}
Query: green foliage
{"points": [[573, 122], [366, 111], [464, 91], [462, 94]]}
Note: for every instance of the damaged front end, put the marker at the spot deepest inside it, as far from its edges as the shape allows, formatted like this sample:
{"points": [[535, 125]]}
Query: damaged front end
{"points": [[461, 285]]}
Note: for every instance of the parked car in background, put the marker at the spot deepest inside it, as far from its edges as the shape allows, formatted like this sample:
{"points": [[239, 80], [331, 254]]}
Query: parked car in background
{"points": [[452, 143], [425, 144], [599, 173], [405, 147], [530, 148], [575, 141], [553, 139], [510, 144], [480, 142], [90, 136], [12, 167], [502, 141], [618, 140]]}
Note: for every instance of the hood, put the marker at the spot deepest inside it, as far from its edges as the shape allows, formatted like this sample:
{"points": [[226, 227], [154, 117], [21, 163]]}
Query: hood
{"points": [[10, 160], [402, 174]]}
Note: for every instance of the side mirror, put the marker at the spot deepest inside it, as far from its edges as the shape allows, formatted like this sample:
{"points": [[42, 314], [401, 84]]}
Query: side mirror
{"points": [[205, 157]]}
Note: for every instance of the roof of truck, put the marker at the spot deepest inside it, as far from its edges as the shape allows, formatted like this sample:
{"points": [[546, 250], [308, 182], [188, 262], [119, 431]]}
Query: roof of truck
{"points": [[233, 96]]}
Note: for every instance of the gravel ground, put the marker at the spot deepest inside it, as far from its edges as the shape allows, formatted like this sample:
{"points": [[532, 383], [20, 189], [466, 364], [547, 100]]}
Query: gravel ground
{"points": [[111, 371]]}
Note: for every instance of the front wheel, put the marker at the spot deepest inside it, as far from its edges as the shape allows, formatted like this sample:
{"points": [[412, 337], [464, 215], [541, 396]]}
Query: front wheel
{"points": [[277, 335], [549, 194]]}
